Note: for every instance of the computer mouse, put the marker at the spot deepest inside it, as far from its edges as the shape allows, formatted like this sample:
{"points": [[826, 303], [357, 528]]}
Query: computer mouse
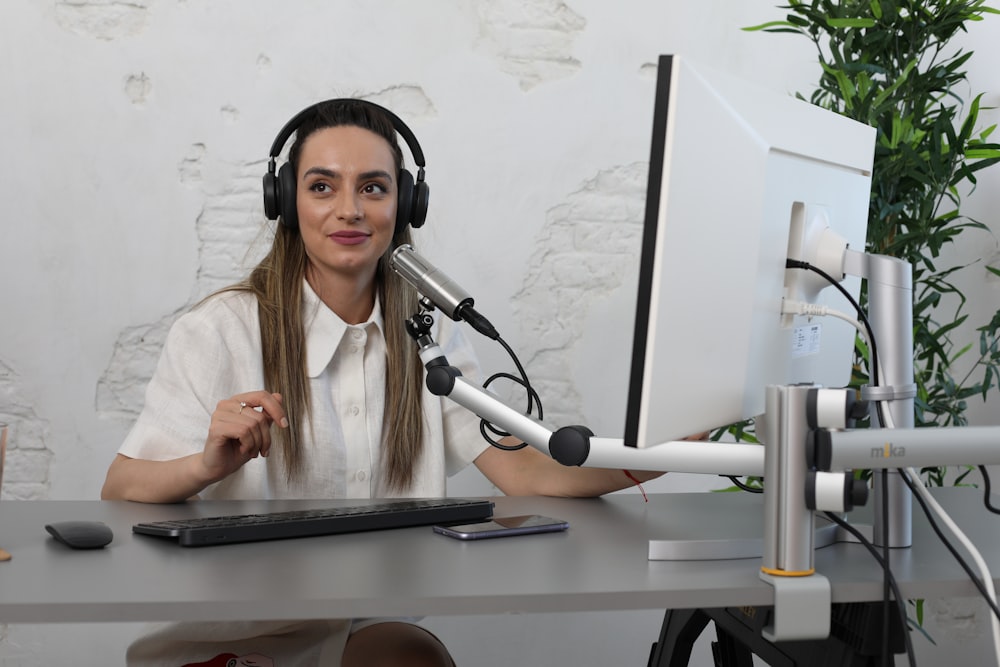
{"points": [[81, 534]]}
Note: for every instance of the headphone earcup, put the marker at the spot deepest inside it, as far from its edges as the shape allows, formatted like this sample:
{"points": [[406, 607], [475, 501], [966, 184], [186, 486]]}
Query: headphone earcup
{"points": [[286, 197], [271, 209], [404, 201], [421, 198]]}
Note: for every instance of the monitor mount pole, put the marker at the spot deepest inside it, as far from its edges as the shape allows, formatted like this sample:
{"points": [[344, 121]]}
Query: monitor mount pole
{"points": [[890, 311]]}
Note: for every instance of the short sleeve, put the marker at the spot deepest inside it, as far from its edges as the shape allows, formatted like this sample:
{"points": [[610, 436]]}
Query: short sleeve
{"points": [[211, 353]]}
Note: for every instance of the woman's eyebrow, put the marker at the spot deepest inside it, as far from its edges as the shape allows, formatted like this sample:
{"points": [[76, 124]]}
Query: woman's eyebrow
{"points": [[321, 171], [330, 173], [376, 173]]}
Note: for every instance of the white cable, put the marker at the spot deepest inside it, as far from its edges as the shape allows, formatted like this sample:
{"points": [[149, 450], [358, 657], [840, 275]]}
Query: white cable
{"points": [[816, 310], [807, 309], [789, 307], [984, 572], [970, 548]]}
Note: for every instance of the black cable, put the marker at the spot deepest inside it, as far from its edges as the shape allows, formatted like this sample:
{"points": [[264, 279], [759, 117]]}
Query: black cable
{"points": [[980, 586], [986, 491], [485, 427], [886, 569], [532, 394], [524, 376], [880, 415], [743, 487], [798, 264], [892, 583]]}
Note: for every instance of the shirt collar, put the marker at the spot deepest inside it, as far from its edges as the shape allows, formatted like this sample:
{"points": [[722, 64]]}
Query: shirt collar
{"points": [[324, 329]]}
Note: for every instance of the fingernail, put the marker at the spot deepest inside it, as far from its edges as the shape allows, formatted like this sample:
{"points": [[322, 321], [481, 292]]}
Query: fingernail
{"points": [[284, 422]]}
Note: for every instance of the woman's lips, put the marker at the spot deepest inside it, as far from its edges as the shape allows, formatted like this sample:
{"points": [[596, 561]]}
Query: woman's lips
{"points": [[349, 238]]}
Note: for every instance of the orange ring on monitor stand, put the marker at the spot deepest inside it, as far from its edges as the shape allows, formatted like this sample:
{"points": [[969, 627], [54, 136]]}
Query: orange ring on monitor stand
{"points": [[788, 573]]}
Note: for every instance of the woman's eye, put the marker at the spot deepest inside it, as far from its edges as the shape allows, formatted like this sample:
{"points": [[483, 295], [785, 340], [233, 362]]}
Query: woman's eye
{"points": [[319, 187], [374, 188]]}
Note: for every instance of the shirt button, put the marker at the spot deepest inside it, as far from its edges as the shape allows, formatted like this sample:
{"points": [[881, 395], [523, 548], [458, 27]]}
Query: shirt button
{"points": [[355, 411], [362, 475], [357, 334]]}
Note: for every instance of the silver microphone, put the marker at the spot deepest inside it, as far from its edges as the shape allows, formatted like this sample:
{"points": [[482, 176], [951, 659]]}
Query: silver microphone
{"points": [[443, 292]]}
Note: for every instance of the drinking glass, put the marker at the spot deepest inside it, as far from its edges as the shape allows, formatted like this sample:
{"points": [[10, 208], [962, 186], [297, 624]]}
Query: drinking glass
{"points": [[3, 449], [3, 454]]}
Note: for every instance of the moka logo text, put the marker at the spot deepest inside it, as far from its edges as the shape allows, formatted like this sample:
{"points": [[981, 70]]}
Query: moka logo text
{"points": [[888, 451]]}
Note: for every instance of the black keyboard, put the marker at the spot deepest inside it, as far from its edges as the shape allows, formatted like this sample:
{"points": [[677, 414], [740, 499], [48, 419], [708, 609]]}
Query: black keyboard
{"points": [[364, 516]]}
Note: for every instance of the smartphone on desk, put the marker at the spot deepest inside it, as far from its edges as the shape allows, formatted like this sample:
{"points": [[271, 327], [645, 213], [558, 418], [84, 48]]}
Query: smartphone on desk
{"points": [[504, 527]]}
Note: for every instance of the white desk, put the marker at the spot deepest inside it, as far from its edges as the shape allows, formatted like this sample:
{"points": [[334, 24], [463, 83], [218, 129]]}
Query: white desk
{"points": [[599, 564]]}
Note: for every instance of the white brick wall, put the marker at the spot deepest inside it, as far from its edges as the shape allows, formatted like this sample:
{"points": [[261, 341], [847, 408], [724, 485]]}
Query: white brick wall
{"points": [[26, 468]]}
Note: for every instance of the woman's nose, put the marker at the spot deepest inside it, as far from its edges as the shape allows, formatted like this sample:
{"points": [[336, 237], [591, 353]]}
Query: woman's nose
{"points": [[348, 205]]}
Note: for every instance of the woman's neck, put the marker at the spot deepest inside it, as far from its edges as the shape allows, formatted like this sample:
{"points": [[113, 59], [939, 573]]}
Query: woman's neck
{"points": [[352, 298]]}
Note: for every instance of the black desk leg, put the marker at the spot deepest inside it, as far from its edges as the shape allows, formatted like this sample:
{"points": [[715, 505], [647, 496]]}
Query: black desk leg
{"points": [[855, 638], [681, 629]]}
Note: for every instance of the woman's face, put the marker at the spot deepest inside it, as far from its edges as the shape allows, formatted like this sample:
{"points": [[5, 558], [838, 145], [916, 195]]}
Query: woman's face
{"points": [[346, 199]]}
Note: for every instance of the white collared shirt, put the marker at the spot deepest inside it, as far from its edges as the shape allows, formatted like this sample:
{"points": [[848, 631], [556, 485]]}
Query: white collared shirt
{"points": [[213, 353]]}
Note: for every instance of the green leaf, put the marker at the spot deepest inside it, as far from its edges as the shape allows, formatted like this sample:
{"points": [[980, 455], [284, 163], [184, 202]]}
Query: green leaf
{"points": [[850, 23], [961, 352], [771, 24], [982, 153], [891, 90]]}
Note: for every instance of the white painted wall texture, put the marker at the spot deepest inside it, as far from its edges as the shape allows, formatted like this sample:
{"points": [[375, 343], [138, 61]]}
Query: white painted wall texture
{"points": [[136, 136]]}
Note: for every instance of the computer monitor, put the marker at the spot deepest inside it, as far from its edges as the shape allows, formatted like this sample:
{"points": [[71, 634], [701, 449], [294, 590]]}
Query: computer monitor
{"points": [[740, 178]]}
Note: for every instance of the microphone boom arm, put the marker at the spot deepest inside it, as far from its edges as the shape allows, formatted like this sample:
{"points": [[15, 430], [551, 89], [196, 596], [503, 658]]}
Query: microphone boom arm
{"points": [[576, 445]]}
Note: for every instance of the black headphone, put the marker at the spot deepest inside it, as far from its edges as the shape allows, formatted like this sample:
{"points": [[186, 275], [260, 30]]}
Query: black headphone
{"points": [[279, 189]]}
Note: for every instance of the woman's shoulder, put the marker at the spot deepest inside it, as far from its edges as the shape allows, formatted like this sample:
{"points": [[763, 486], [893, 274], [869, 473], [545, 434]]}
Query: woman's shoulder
{"points": [[233, 302], [227, 310]]}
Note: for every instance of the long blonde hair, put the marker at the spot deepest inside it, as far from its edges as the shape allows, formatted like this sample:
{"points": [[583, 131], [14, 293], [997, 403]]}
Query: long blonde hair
{"points": [[277, 283]]}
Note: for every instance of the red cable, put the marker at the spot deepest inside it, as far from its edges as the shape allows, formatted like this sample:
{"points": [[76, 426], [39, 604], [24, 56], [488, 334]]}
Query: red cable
{"points": [[638, 484]]}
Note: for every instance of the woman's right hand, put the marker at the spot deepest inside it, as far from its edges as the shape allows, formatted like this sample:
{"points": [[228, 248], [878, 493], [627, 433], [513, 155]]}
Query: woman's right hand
{"points": [[240, 430]]}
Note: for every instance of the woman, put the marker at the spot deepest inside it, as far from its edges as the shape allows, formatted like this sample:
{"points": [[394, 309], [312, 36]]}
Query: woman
{"points": [[310, 387]]}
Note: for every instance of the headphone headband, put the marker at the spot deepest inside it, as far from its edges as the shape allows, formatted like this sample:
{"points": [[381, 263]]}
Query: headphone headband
{"points": [[397, 123]]}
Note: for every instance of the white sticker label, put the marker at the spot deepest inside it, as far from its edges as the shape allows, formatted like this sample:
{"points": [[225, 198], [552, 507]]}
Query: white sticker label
{"points": [[805, 340]]}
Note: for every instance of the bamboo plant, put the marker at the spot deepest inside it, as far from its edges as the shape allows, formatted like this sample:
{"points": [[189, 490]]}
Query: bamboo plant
{"points": [[893, 65]]}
